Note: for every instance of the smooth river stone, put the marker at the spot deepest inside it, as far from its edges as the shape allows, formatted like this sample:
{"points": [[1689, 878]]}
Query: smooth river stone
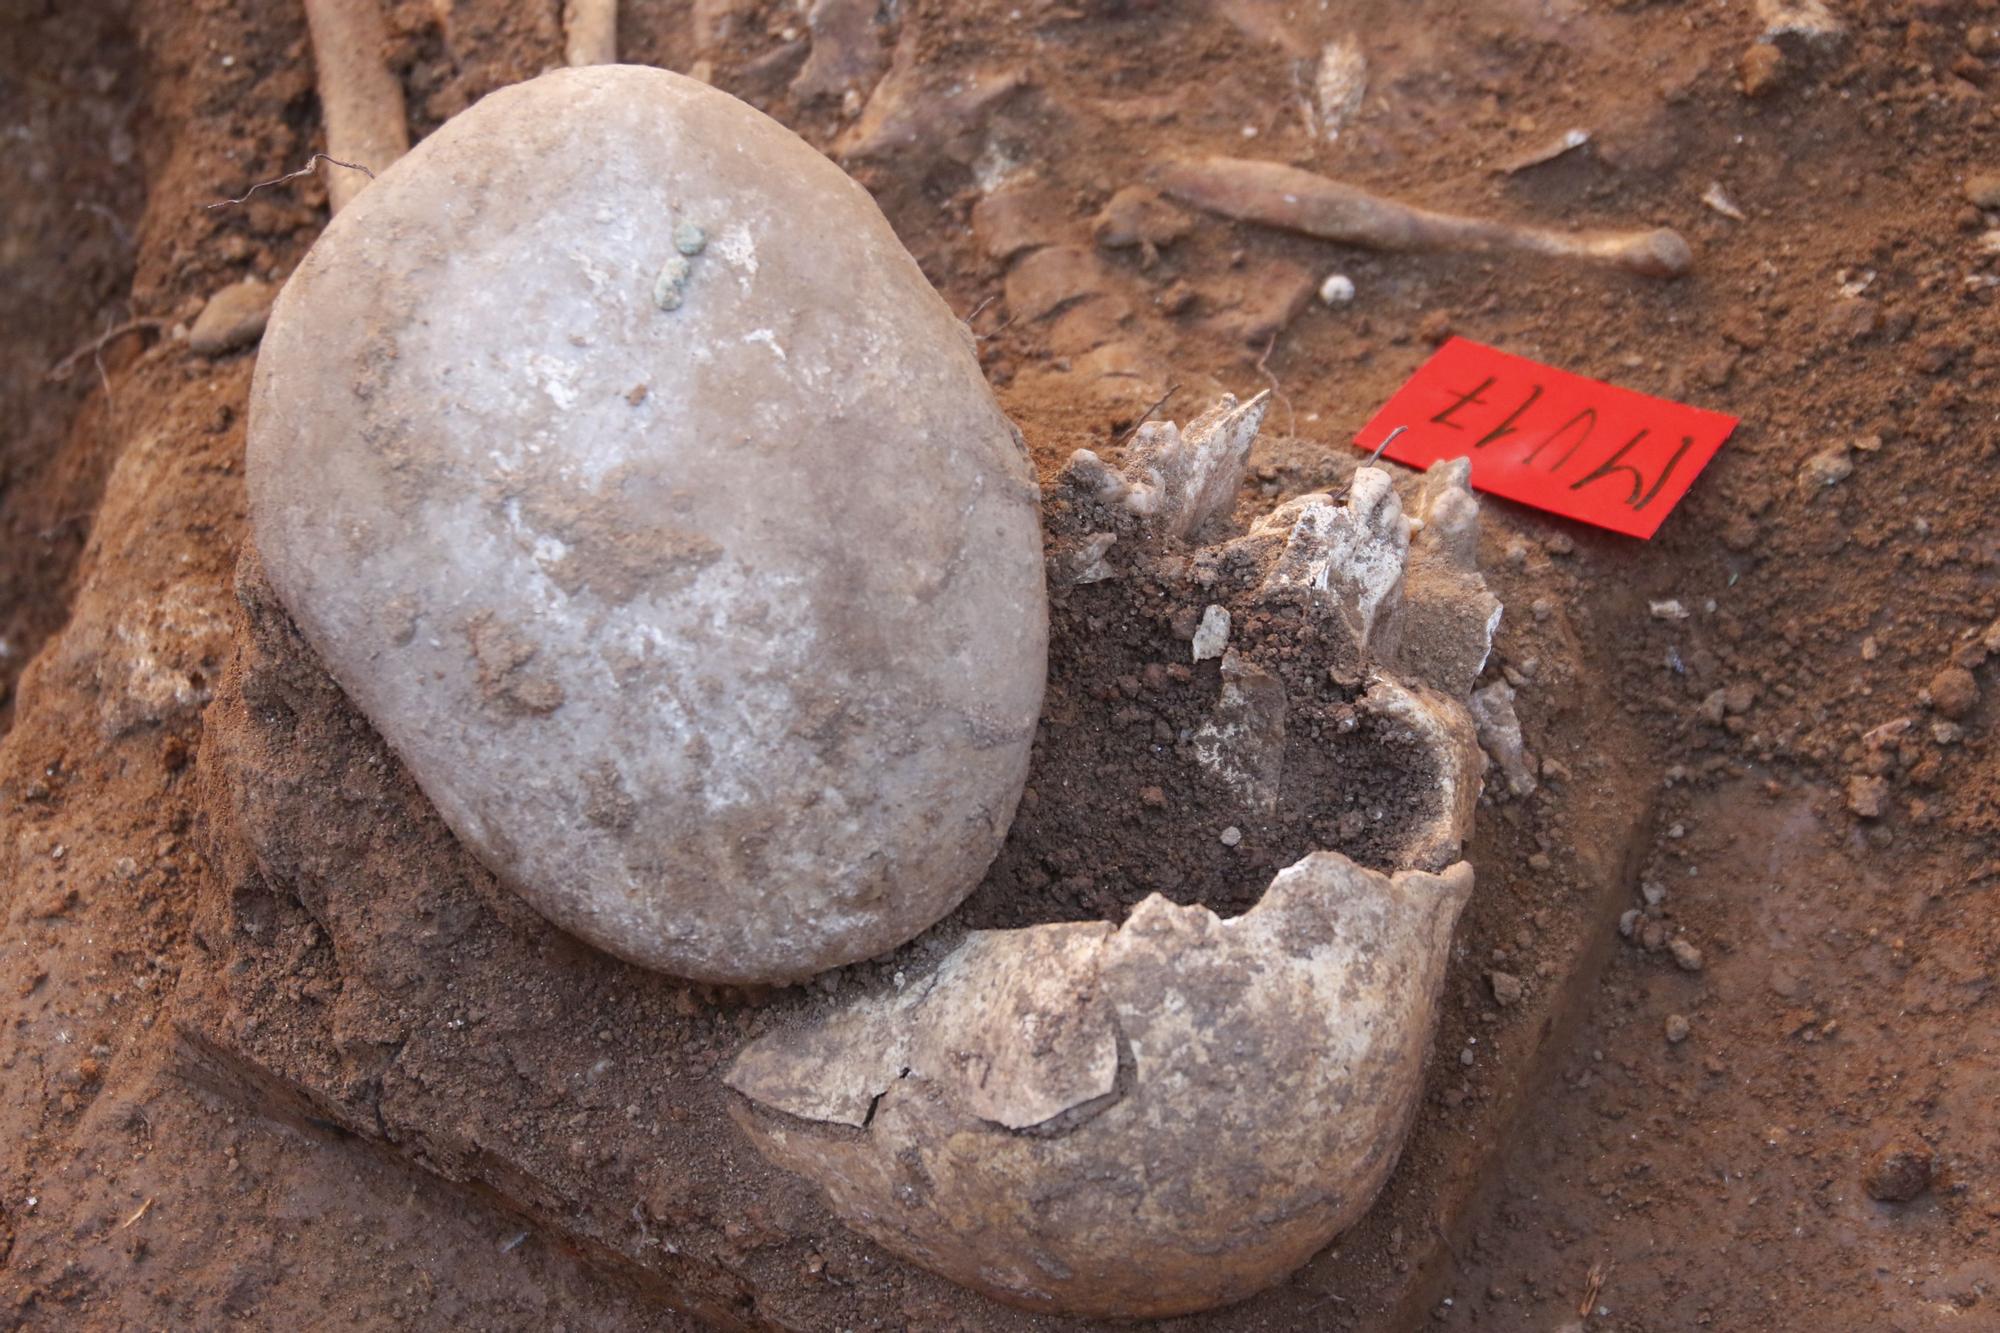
{"points": [[629, 476]]}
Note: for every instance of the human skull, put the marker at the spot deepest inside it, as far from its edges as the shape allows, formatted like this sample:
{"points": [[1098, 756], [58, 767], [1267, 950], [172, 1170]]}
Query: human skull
{"points": [[1169, 1114]]}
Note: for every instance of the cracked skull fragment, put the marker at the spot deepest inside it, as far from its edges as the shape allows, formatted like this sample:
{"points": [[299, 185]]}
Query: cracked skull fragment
{"points": [[625, 471], [1166, 1115]]}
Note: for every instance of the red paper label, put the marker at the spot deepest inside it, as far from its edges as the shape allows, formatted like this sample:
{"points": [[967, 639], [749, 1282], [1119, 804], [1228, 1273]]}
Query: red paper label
{"points": [[1545, 437]]}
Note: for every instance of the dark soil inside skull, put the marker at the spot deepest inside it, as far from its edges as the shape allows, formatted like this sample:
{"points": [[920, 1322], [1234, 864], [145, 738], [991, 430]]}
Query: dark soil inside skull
{"points": [[1117, 806]]}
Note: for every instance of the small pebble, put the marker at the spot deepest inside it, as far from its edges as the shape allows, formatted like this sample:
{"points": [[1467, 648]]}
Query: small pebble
{"points": [[1628, 924], [1677, 1028], [1686, 956], [1760, 68], [1338, 289], [1231, 836], [1828, 467], [1507, 988], [1954, 691], [1983, 189], [234, 317], [689, 239]]}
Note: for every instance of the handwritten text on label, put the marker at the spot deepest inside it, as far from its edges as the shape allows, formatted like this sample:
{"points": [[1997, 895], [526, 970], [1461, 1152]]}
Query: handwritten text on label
{"points": [[1545, 437]]}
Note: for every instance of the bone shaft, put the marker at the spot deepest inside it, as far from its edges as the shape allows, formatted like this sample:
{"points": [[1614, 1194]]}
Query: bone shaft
{"points": [[360, 98], [590, 32], [1280, 196]]}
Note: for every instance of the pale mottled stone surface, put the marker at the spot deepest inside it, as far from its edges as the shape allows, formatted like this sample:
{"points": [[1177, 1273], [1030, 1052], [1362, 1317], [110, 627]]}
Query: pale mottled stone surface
{"points": [[718, 631]]}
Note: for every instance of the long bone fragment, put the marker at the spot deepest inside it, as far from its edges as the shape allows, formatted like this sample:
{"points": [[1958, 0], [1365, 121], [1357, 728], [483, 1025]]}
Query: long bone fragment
{"points": [[590, 32], [361, 101], [1280, 196]]}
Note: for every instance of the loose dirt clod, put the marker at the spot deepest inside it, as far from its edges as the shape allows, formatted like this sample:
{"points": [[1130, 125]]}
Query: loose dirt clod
{"points": [[1899, 1171], [1954, 691], [1687, 955], [847, 55], [1136, 217], [1868, 796], [1277, 195]]}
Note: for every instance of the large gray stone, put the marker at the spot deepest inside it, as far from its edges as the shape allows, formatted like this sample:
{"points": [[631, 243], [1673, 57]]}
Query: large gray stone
{"points": [[630, 477]]}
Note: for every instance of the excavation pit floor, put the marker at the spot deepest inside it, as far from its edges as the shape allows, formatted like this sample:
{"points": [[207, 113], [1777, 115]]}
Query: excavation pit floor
{"points": [[331, 1076]]}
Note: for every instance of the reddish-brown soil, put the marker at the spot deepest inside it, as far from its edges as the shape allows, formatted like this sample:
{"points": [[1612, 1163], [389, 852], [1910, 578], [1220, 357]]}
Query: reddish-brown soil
{"points": [[277, 1053]]}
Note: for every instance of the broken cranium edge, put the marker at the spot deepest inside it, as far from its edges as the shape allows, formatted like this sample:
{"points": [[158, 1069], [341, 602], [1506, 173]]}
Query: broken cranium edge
{"points": [[1163, 1116]]}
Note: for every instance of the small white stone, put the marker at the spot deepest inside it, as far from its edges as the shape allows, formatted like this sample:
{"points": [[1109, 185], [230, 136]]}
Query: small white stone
{"points": [[1338, 289], [1231, 836], [1212, 634]]}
